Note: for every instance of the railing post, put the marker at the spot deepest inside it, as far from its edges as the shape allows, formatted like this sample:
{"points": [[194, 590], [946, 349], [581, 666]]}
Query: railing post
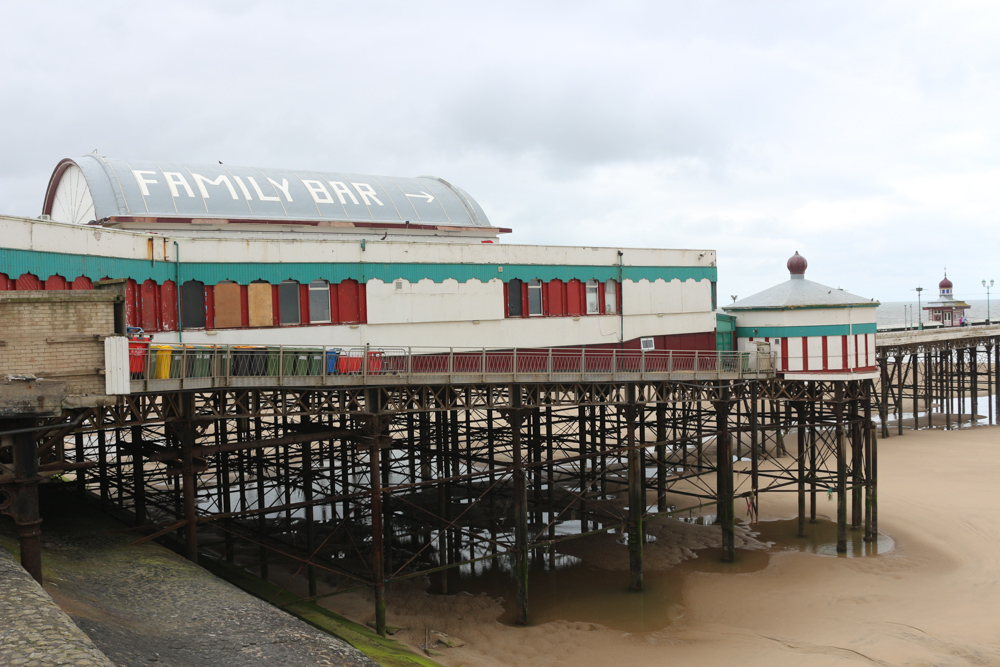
{"points": [[642, 365], [281, 363], [451, 364], [409, 362], [670, 362], [549, 366], [482, 365], [583, 361], [513, 370], [695, 369]]}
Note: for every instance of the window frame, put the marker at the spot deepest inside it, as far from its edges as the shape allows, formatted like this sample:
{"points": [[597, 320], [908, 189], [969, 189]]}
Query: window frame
{"points": [[535, 286], [286, 290], [320, 294]]}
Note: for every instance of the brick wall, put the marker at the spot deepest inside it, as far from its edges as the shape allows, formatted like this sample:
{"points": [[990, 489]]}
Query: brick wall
{"points": [[57, 335]]}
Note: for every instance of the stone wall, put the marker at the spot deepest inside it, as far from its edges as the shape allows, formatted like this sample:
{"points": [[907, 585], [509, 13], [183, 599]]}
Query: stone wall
{"points": [[58, 336]]}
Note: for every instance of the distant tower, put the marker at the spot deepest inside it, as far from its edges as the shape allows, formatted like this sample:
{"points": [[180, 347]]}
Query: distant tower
{"points": [[947, 310]]}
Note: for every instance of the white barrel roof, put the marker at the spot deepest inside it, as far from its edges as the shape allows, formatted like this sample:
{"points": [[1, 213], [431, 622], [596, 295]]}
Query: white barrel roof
{"points": [[99, 188]]}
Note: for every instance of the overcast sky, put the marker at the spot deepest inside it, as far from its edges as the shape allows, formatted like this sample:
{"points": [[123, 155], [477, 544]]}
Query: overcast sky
{"points": [[862, 134]]}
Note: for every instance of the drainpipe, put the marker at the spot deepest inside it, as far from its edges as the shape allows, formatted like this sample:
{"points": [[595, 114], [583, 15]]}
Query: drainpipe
{"points": [[177, 281], [621, 306]]}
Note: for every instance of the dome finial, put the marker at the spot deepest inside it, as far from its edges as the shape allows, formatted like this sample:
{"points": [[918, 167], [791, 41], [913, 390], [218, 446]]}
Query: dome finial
{"points": [[797, 265]]}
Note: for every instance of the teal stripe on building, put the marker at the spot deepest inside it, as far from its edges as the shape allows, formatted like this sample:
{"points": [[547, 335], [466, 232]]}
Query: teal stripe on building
{"points": [[14, 263], [805, 331]]}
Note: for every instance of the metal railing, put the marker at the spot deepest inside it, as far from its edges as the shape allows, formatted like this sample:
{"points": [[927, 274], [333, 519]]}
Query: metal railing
{"points": [[156, 366]]}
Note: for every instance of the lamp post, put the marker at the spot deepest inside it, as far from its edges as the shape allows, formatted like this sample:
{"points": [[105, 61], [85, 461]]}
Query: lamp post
{"points": [[920, 312], [987, 300]]}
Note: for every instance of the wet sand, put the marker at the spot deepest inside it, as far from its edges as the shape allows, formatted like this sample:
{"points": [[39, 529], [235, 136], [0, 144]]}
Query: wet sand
{"points": [[932, 599]]}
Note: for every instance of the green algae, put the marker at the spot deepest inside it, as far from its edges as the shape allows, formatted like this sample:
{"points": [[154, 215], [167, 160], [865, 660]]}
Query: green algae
{"points": [[386, 652]]}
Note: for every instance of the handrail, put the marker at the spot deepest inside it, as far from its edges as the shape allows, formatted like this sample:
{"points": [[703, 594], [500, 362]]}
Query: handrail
{"points": [[245, 365]]}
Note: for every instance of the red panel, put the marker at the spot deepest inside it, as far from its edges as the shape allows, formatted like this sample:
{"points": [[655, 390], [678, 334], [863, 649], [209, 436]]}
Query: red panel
{"points": [[363, 303], [149, 306], [131, 303], [83, 282], [56, 282], [244, 306], [275, 307], [784, 354], [826, 355], [574, 297], [304, 315], [334, 304], [805, 353], [856, 364], [168, 305], [6, 283], [347, 293], [524, 298], [28, 282], [209, 307], [556, 302], [843, 351]]}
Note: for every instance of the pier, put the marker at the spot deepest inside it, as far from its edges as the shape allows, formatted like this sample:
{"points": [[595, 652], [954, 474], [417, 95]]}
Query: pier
{"points": [[411, 462]]}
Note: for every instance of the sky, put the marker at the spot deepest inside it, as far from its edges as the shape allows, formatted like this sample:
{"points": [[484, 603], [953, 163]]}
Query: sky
{"points": [[863, 135]]}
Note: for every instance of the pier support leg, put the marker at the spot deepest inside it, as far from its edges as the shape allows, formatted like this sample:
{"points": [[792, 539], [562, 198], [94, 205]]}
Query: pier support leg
{"points": [[724, 477], [19, 499], [838, 409], [636, 494], [869, 435], [378, 544], [520, 511], [800, 409], [185, 433]]}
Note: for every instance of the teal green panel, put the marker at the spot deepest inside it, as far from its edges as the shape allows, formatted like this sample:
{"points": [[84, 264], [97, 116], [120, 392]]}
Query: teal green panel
{"points": [[45, 264], [725, 323], [804, 331]]}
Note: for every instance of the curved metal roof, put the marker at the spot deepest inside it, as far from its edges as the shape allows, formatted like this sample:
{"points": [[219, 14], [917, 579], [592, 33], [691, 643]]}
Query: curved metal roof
{"points": [[800, 293], [146, 189]]}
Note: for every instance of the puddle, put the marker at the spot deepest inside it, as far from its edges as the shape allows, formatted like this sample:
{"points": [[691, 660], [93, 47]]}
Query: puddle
{"points": [[820, 539], [566, 589]]}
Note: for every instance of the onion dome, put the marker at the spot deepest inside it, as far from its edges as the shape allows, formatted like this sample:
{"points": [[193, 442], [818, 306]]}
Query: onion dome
{"points": [[797, 265], [945, 284]]}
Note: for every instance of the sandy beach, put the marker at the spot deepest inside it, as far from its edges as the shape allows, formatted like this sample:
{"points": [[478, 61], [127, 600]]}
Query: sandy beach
{"points": [[933, 599]]}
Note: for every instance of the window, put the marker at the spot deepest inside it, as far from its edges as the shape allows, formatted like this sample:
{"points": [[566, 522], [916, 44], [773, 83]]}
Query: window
{"points": [[593, 298], [611, 297], [192, 304], [288, 302], [535, 297], [259, 300], [228, 307], [319, 301], [514, 299]]}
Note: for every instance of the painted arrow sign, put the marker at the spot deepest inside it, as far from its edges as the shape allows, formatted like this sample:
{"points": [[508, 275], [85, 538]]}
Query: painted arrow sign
{"points": [[423, 195]]}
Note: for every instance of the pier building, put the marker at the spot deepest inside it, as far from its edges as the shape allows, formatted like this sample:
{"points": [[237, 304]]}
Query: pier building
{"points": [[818, 332], [946, 309]]}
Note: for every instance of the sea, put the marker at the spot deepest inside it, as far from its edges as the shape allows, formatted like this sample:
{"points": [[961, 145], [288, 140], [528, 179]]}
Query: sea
{"points": [[903, 314]]}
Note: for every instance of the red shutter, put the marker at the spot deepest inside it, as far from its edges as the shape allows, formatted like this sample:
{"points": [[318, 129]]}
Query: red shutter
{"points": [[275, 307], [363, 303], [347, 292], [28, 282], [304, 314], [805, 353], [826, 355], [168, 305], [56, 282], [784, 354], [209, 306], [83, 282], [335, 304], [6, 283], [244, 305], [132, 304], [574, 298], [506, 300], [148, 306], [557, 298]]}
